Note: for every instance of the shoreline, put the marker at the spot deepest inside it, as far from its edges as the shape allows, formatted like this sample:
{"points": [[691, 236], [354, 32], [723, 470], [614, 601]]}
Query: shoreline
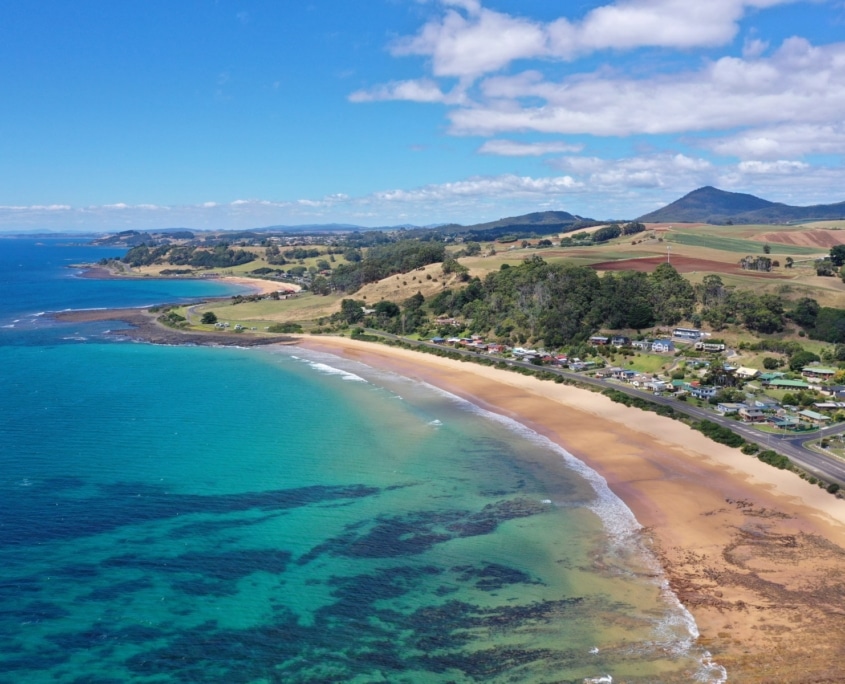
{"points": [[145, 327], [257, 285], [756, 554]]}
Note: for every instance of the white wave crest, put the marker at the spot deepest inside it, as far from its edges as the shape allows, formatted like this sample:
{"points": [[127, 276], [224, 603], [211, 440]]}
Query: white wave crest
{"points": [[331, 370]]}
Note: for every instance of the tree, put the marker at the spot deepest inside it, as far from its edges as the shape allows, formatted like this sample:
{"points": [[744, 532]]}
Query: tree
{"points": [[825, 267], [607, 233], [767, 249], [789, 261], [351, 310], [837, 255], [770, 363], [209, 318], [801, 359], [805, 312], [321, 286]]}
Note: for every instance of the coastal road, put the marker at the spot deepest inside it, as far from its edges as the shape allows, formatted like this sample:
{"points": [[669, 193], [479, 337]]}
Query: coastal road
{"points": [[826, 467]]}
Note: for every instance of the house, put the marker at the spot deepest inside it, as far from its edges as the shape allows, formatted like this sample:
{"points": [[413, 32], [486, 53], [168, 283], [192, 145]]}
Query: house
{"points": [[766, 404], [818, 373], [744, 373], [710, 347], [643, 345], [687, 333], [620, 341], [703, 392], [750, 414], [599, 340], [833, 390], [768, 377], [784, 422], [624, 374], [780, 383], [438, 340], [813, 418], [663, 346], [727, 408], [447, 321]]}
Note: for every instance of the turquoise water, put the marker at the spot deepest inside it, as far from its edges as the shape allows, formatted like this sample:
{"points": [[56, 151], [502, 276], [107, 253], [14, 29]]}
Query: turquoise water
{"points": [[192, 514]]}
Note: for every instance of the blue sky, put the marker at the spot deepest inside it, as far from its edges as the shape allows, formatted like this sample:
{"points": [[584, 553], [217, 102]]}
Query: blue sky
{"points": [[245, 113]]}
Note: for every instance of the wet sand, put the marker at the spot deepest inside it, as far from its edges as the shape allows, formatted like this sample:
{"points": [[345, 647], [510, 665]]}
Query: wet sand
{"points": [[756, 554]]}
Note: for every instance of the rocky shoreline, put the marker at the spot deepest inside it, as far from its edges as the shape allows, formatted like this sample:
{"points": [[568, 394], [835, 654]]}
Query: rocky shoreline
{"points": [[145, 327]]}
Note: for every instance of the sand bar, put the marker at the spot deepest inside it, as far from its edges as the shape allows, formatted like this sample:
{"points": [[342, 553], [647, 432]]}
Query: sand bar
{"points": [[756, 554]]}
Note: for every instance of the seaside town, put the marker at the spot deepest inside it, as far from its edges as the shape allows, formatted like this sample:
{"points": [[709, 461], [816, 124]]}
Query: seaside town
{"points": [[422, 341]]}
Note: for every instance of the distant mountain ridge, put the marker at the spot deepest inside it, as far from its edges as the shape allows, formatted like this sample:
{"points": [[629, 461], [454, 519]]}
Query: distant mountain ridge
{"points": [[711, 205]]}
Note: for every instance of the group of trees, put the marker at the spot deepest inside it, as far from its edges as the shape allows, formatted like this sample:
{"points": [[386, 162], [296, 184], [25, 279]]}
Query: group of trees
{"points": [[563, 304], [218, 256], [721, 306], [383, 260], [614, 230]]}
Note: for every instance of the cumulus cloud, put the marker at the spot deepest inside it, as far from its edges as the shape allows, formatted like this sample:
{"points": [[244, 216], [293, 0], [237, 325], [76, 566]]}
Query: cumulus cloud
{"points": [[507, 185], [480, 42], [651, 171], [780, 167], [779, 142], [584, 185], [513, 148], [477, 40], [798, 83]]}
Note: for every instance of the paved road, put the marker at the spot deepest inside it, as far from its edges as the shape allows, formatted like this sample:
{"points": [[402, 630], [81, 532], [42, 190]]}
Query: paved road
{"points": [[824, 466]]}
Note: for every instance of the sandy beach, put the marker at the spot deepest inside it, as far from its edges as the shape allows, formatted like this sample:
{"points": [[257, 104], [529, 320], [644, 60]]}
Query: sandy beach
{"points": [[756, 554], [257, 285]]}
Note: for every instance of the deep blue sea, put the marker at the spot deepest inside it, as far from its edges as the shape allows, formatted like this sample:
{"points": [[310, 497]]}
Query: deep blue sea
{"points": [[204, 514]]}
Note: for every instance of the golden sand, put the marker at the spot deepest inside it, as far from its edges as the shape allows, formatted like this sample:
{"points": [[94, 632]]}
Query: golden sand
{"points": [[756, 554]]}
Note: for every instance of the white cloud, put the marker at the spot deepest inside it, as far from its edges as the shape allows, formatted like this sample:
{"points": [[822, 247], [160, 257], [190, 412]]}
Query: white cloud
{"points": [[501, 186], [780, 142], [800, 83], [480, 41], [513, 148], [421, 90], [780, 167], [652, 171]]}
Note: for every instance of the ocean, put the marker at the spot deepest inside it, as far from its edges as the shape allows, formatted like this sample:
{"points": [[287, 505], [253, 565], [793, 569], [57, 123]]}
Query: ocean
{"points": [[211, 514]]}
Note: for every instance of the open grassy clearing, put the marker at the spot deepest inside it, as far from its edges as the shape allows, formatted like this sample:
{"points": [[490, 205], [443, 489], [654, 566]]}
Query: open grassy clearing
{"points": [[305, 307]]}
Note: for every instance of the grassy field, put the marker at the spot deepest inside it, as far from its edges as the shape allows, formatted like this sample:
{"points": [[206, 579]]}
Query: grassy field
{"points": [[301, 309], [737, 246]]}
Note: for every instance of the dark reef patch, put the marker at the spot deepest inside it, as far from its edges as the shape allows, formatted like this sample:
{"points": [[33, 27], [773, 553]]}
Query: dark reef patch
{"points": [[419, 531], [51, 518]]}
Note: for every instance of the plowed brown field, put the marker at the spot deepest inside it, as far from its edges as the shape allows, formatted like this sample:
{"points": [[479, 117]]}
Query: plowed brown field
{"points": [[823, 239], [681, 263]]}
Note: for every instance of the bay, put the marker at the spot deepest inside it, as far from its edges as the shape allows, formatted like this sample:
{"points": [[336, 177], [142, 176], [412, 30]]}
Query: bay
{"points": [[196, 514]]}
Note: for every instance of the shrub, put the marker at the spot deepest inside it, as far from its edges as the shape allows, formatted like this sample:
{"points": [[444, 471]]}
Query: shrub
{"points": [[775, 459], [285, 328]]}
